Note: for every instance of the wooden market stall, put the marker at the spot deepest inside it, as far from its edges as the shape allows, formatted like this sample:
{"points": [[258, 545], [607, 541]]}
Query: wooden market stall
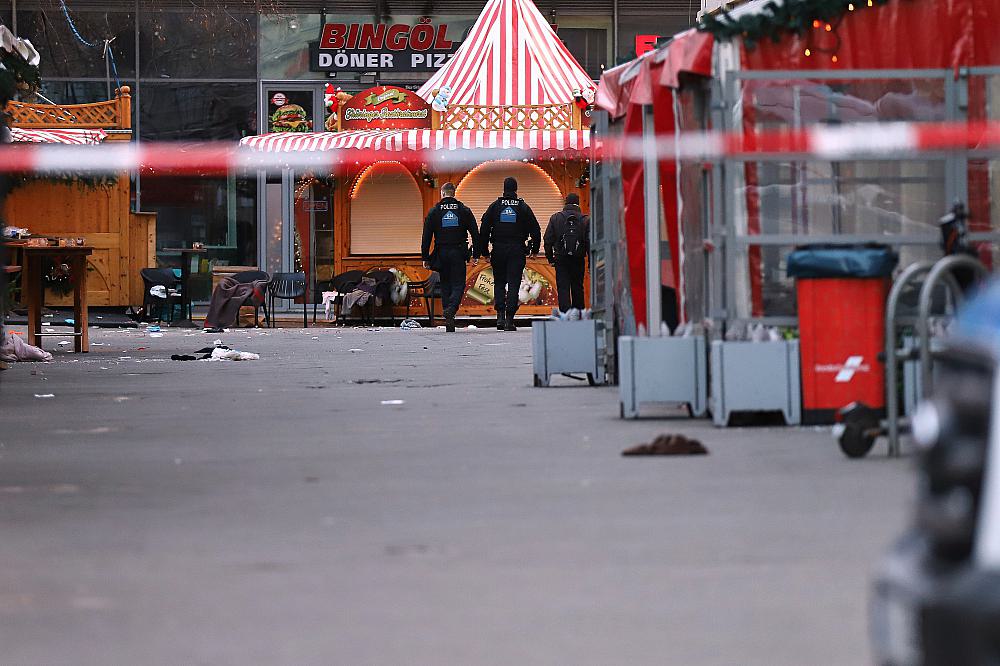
{"points": [[97, 210], [524, 113]]}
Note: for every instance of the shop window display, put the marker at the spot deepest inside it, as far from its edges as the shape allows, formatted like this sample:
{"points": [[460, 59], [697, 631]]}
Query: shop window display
{"points": [[219, 212]]}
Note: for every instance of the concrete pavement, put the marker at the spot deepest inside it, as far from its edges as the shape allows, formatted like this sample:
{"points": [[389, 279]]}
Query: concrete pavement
{"points": [[277, 512]]}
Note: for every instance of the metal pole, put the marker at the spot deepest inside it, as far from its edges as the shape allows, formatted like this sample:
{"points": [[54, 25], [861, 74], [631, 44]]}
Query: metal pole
{"points": [[941, 272], [651, 195], [891, 370], [614, 32], [136, 105]]}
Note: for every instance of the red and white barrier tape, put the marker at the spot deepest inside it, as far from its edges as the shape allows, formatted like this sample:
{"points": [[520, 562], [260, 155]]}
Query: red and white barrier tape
{"points": [[860, 141]]}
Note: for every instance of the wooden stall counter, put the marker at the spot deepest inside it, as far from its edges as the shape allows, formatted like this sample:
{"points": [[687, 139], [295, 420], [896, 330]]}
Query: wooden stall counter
{"points": [[33, 290]]}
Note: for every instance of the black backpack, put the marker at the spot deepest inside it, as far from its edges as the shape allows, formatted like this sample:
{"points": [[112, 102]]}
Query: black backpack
{"points": [[571, 243]]}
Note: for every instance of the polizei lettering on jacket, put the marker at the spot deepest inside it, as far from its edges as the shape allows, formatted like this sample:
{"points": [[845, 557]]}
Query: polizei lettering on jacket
{"points": [[362, 47]]}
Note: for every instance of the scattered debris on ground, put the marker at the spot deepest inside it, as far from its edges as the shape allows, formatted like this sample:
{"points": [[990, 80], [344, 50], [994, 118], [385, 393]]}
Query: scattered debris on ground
{"points": [[668, 445]]}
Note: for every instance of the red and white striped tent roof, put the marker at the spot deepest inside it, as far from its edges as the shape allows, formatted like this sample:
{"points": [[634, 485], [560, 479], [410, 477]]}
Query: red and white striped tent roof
{"points": [[512, 57], [418, 140], [76, 137]]}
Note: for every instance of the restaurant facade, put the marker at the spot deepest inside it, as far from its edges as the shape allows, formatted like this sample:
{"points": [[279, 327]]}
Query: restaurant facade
{"points": [[226, 71]]}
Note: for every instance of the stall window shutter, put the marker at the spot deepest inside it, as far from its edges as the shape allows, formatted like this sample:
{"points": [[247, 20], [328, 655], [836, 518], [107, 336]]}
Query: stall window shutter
{"points": [[387, 211], [484, 184]]}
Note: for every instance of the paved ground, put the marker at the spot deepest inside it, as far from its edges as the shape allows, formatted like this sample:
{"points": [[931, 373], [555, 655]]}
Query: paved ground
{"points": [[276, 512]]}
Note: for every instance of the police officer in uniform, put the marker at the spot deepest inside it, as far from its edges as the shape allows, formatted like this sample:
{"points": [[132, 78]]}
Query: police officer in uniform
{"points": [[511, 227], [450, 223]]}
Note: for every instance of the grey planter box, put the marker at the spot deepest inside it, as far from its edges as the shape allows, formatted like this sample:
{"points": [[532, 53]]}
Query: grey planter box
{"points": [[662, 370], [756, 377], [565, 347]]}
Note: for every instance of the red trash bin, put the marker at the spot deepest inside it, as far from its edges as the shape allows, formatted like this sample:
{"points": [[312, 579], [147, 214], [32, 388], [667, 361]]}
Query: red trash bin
{"points": [[841, 330]]}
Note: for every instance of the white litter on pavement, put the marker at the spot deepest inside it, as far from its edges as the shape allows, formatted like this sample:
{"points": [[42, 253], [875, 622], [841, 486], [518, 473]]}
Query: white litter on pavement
{"points": [[393, 402], [156, 335], [63, 343], [45, 395], [232, 355]]}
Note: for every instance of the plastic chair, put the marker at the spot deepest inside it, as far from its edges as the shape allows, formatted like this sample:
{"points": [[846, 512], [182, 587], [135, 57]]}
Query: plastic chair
{"points": [[428, 289], [164, 277], [244, 277], [287, 285]]}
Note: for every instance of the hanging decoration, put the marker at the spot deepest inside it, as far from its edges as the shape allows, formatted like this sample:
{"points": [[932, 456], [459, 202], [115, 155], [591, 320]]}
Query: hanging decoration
{"points": [[776, 19], [18, 65], [107, 52], [441, 97]]}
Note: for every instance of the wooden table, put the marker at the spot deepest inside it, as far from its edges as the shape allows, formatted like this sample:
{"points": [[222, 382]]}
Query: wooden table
{"points": [[33, 290], [186, 254]]}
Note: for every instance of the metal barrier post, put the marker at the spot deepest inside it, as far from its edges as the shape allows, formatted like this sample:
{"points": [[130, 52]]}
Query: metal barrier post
{"points": [[891, 370], [941, 273]]}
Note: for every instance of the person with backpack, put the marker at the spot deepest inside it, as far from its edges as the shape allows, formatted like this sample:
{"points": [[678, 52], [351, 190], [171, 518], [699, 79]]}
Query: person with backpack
{"points": [[450, 224], [567, 243], [512, 228]]}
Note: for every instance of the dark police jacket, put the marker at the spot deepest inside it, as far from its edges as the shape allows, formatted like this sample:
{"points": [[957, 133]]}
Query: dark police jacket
{"points": [[557, 228], [510, 221], [449, 223]]}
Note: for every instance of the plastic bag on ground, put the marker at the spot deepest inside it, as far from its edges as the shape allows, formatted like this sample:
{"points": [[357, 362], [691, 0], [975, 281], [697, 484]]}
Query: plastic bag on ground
{"points": [[14, 348], [220, 354]]}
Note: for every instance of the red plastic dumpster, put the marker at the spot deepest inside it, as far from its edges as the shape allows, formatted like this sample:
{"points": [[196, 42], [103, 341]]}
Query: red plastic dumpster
{"points": [[842, 333], [841, 303]]}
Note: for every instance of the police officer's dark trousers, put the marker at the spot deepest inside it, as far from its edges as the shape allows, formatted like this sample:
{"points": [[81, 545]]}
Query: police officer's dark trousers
{"points": [[508, 261], [451, 259], [569, 281]]}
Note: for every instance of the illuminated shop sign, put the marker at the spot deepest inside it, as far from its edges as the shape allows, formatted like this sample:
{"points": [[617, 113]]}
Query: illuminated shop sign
{"points": [[377, 47]]}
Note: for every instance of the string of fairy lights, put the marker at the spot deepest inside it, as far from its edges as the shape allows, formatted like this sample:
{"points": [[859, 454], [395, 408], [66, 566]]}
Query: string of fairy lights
{"points": [[812, 19]]}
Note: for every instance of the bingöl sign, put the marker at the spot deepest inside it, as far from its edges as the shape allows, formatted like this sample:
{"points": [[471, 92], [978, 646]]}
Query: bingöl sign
{"points": [[362, 47]]}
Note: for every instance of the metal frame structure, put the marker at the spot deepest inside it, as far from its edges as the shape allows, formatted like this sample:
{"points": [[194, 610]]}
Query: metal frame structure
{"points": [[728, 197]]}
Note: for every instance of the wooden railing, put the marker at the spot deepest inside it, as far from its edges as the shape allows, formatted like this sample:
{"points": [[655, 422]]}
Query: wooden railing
{"points": [[112, 114], [542, 116]]}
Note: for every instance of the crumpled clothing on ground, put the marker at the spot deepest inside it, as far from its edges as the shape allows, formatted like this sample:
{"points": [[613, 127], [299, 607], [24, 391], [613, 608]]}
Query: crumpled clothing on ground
{"points": [[361, 295], [16, 349]]}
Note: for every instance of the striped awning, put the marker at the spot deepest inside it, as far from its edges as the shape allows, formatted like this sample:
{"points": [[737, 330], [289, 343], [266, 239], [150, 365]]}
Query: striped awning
{"points": [[512, 57], [415, 140], [77, 137]]}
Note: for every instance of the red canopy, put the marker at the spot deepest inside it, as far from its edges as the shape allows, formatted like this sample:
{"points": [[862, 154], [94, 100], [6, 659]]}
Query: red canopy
{"points": [[636, 82]]}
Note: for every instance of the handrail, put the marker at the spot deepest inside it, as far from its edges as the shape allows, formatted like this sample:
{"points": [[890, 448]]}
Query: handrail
{"points": [[943, 270], [110, 114], [533, 116]]}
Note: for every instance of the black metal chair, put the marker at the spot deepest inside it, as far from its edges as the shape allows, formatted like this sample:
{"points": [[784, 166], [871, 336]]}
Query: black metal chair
{"points": [[287, 285], [166, 278], [428, 289], [253, 276]]}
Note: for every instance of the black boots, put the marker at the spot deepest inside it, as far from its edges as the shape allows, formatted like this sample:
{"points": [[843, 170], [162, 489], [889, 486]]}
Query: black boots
{"points": [[501, 322], [509, 324], [449, 321]]}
